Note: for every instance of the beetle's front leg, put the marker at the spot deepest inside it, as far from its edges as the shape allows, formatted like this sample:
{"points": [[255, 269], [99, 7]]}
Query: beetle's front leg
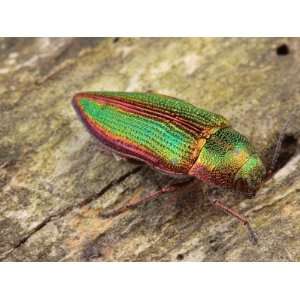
{"points": [[243, 220]]}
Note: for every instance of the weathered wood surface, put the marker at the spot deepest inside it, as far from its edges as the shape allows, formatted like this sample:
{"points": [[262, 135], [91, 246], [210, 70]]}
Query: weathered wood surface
{"points": [[54, 181]]}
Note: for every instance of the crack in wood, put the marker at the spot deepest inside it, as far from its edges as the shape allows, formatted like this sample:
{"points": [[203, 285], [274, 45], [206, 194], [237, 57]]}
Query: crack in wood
{"points": [[69, 209]]}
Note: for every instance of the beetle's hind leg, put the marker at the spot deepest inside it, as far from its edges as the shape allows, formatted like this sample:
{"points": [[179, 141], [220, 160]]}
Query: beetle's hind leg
{"points": [[243, 220], [170, 188]]}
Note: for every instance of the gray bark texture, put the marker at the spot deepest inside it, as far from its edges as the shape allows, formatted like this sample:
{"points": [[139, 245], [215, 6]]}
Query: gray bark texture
{"points": [[55, 180]]}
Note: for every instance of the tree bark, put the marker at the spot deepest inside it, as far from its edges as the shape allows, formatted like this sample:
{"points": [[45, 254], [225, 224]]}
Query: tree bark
{"points": [[55, 180]]}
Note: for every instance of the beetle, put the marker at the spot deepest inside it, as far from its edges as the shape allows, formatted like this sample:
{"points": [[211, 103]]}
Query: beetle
{"points": [[174, 137]]}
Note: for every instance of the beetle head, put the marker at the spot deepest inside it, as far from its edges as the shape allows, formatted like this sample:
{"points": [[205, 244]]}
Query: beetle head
{"points": [[250, 176]]}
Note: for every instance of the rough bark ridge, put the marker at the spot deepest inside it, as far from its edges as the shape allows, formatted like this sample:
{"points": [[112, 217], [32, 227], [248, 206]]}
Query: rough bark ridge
{"points": [[54, 181]]}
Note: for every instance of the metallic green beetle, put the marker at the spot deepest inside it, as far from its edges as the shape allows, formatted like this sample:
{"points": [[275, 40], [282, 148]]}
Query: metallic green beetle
{"points": [[174, 137]]}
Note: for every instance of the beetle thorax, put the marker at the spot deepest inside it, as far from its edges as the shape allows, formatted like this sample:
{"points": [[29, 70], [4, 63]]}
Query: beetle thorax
{"points": [[227, 159]]}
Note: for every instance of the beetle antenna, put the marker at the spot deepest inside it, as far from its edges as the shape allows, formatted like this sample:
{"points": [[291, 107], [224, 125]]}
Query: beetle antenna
{"points": [[279, 146]]}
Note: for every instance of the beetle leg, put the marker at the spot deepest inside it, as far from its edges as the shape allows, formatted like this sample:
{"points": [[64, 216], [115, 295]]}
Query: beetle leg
{"points": [[230, 211], [166, 189]]}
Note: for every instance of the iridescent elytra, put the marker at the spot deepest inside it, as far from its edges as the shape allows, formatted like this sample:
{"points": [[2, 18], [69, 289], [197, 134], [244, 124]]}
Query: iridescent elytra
{"points": [[174, 137]]}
